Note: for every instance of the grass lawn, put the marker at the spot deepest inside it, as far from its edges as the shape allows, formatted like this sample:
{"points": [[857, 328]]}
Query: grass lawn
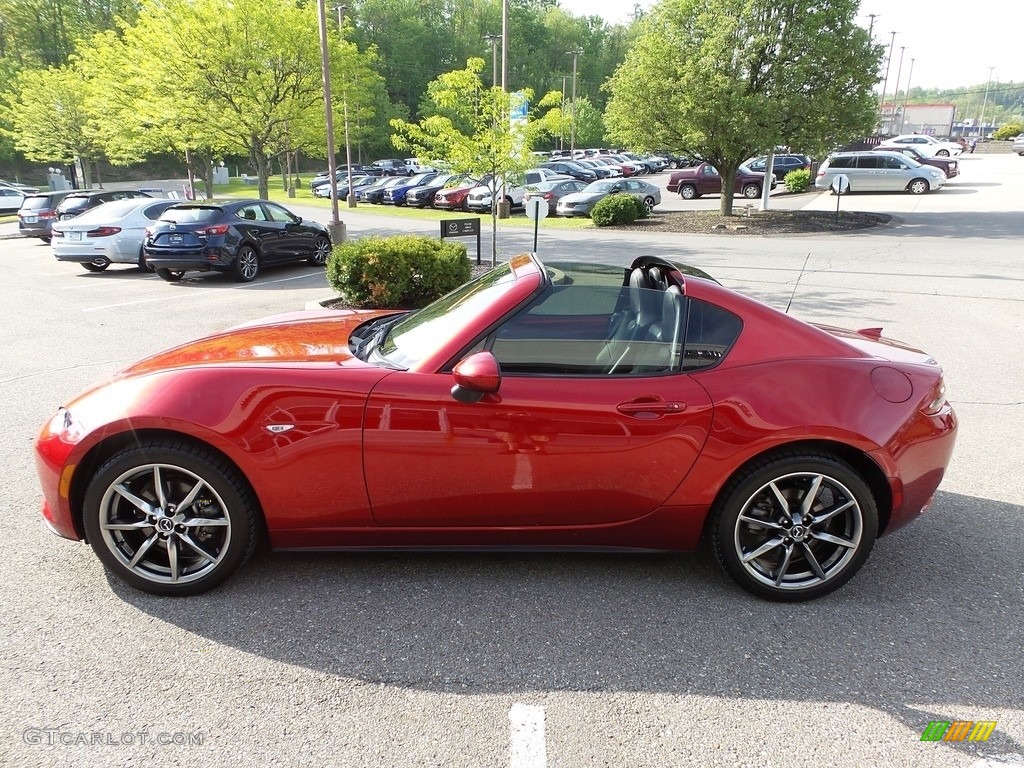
{"points": [[304, 197]]}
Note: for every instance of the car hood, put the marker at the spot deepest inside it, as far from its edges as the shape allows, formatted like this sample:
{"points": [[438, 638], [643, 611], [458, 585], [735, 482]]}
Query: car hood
{"points": [[294, 338]]}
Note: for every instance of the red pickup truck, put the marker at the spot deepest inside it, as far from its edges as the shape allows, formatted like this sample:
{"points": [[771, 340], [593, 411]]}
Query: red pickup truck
{"points": [[703, 179]]}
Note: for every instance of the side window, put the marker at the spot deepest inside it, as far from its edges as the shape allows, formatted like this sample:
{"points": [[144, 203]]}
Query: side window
{"points": [[710, 331], [840, 162], [252, 212], [280, 215], [892, 163], [869, 161]]}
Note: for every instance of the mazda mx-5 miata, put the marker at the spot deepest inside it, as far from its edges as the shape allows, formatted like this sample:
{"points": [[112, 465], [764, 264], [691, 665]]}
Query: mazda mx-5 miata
{"points": [[552, 406]]}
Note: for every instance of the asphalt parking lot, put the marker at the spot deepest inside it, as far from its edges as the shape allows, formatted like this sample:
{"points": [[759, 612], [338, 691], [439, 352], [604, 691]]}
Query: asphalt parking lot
{"points": [[541, 659]]}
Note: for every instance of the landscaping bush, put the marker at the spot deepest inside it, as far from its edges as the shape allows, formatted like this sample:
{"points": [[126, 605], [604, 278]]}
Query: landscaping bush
{"points": [[798, 180], [405, 271], [617, 209]]}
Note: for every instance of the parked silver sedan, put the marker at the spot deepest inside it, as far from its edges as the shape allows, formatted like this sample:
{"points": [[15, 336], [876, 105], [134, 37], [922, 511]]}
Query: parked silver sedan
{"points": [[111, 233], [583, 202]]}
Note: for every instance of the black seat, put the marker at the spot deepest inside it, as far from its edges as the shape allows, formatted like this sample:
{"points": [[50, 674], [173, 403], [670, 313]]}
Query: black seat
{"points": [[632, 326]]}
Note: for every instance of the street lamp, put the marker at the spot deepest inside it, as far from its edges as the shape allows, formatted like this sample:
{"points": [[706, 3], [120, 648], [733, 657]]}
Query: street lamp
{"points": [[575, 53], [888, 63], [493, 40], [341, 14], [332, 167], [981, 122], [906, 96], [896, 91]]}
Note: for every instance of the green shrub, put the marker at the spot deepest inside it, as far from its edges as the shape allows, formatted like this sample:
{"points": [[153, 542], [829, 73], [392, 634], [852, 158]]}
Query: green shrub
{"points": [[617, 209], [798, 180], [1008, 131], [402, 271]]}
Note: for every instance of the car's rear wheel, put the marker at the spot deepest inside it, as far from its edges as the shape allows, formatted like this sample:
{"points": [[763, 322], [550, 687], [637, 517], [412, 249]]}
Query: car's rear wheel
{"points": [[648, 203], [48, 239], [247, 264], [142, 262], [795, 526], [321, 250], [171, 275], [96, 265], [688, 192], [918, 187], [751, 191], [943, 153], [170, 518]]}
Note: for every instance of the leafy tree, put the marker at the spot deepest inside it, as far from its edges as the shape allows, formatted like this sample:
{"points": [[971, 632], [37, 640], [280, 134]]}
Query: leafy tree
{"points": [[49, 119], [1008, 131], [727, 79], [469, 127]]}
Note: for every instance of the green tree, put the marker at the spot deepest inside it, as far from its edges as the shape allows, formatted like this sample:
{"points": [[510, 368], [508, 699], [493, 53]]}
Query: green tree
{"points": [[468, 125], [727, 79], [49, 119]]}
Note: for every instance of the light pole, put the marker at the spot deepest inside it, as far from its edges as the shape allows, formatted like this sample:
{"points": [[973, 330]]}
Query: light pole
{"points": [[504, 45], [896, 92], [984, 105], [871, 26], [341, 14], [332, 167], [575, 53], [906, 95], [493, 40], [885, 83], [561, 123]]}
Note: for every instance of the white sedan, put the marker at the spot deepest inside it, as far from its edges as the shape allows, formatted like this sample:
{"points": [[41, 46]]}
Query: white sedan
{"points": [[927, 145], [111, 233]]}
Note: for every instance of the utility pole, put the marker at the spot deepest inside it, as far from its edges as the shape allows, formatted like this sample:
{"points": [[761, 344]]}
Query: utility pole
{"points": [[906, 96], [493, 40], [896, 92], [336, 228], [885, 83], [871, 26], [575, 53], [984, 106], [561, 123]]}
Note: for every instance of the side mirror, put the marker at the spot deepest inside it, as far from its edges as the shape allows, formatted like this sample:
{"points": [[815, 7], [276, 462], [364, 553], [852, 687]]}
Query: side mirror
{"points": [[476, 376]]}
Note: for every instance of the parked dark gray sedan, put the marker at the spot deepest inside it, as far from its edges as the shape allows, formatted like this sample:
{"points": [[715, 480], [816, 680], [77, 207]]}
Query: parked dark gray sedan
{"points": [[583, 202]]}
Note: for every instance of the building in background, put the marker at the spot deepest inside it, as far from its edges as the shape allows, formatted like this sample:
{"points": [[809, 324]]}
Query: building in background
{"points": [[929, 119]]}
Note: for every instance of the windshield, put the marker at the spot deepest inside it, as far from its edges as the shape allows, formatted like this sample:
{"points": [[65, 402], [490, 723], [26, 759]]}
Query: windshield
{"points": [[602, 187], [421, 333]]}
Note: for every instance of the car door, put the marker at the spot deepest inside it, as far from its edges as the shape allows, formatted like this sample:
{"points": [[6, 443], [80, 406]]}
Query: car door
{"points": [[566, 441], [292, 238], [708, 180]]}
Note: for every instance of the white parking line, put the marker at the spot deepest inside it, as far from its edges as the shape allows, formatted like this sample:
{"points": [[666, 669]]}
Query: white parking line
{"points": [[528, 744], [193, 295]]}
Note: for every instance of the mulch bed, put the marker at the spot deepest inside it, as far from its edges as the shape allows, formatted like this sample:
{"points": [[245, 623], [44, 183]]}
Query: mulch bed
{"points": [[757, 223]]}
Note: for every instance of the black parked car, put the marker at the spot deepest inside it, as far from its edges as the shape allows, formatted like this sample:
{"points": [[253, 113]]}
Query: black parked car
{"points": [[570, 168], [374, 193], [235, 236], [392, 167], [781, 164], [38, 212], [79, 202]]}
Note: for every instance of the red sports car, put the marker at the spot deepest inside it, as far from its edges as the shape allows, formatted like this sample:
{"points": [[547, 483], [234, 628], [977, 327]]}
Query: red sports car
{"points": [[557, 406]]}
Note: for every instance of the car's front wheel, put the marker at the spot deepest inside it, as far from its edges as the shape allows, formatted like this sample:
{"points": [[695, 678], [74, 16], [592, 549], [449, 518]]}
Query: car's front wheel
{"points": [[649, 203], [751, 191], [247, 264], [795, 526], [96, 265], [918, 187], [170, 518], [321, 250], [688, 192], [943, 153]]}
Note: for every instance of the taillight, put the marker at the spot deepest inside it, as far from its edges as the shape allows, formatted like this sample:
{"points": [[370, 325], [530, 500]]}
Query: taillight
{"points": [[47, 214], [57, 233], [547, 196], [216, 229], [938, 401], [103, 231]]}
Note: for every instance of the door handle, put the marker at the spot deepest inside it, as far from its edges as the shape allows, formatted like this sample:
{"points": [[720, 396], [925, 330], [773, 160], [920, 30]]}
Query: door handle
{"points": [[650, 407]]}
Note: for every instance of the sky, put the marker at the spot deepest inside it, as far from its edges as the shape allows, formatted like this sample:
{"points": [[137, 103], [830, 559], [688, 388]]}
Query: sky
{"points": [[953, 44]]}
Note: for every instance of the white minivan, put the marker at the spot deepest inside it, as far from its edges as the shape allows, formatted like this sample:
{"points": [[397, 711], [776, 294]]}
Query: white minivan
{"points": [[877, 171]]}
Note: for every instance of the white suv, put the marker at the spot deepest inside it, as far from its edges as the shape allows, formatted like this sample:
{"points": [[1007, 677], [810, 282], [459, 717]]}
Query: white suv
{"points": [[927, 145]]}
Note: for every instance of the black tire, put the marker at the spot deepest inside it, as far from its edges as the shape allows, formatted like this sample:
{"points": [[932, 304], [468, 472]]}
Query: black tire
{"points": [[246, 265], [796, 561], [918, 186], [942, 153], [673, 164], [649, 203], [161, 546], [96, 265], [321, 251], [142, 262], [170, 275], [751, 191], [688, 192], [48, 239]]}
